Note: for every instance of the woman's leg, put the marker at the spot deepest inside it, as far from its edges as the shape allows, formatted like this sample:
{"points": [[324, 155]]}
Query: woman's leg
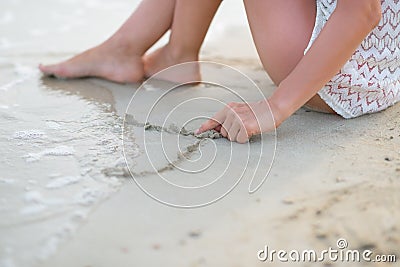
{"points": [[281, 31], [119, 58], [192, 19]]}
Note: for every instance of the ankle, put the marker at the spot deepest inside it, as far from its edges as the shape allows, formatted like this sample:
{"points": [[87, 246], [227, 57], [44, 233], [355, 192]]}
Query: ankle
{"points": [[181, 54], [121, 44]]}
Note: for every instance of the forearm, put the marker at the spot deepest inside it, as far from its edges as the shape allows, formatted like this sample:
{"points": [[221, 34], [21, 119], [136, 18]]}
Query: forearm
{"points": [[336, 43]]}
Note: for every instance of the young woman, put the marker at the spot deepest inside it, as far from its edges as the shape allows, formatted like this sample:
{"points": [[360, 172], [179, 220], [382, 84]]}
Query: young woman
{"points": [[350, 49]]}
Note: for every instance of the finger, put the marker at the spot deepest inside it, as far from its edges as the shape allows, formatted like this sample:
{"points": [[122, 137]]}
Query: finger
{"points": [[224, 130], [242, 136], [218, 128], [233, 132], [226, 126], [218, 119], [208, 125]]}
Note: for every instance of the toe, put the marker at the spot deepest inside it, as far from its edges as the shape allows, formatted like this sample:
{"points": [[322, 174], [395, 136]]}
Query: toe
{"points": [[50, 69], [44, 68]]}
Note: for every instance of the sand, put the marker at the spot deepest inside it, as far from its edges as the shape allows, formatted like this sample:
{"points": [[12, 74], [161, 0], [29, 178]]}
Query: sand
{"points": [[172, 129], [66, 193]]}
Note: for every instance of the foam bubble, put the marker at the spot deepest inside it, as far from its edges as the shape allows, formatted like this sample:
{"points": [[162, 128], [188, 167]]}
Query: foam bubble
{"points": [[63, 181], [88, 197], [53, 125], [57, 151], [29, 134]]}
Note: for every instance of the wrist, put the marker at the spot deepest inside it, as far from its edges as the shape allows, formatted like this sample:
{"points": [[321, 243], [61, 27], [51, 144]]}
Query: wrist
{"points": [[284, 101], [277, 110]]}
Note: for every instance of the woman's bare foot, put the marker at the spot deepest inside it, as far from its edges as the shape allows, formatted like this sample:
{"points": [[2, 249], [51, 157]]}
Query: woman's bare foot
{"points": [[110, 60], [163, 58]]}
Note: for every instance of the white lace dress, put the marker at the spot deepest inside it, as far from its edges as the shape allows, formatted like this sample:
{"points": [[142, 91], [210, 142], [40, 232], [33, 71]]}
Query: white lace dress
{"points": [[370, 80]]}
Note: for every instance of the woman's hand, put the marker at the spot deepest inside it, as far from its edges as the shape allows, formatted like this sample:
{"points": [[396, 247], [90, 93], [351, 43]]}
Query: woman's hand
{"points": [[240, 121]]}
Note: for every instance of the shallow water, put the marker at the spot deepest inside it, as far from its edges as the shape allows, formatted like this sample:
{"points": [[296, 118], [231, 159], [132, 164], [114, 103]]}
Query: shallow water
{"points": [[60, 153], [55, 147]]}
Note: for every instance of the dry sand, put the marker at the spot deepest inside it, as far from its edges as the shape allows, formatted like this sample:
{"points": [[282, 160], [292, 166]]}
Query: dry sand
{"points": [[331, 178]]}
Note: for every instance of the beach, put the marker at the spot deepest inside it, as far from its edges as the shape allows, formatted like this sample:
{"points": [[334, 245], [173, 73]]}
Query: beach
{"points": [[95, 173]]}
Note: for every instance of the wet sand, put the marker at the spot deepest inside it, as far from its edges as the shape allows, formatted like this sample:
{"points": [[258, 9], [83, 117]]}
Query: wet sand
{"points": [[66, 195]]}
